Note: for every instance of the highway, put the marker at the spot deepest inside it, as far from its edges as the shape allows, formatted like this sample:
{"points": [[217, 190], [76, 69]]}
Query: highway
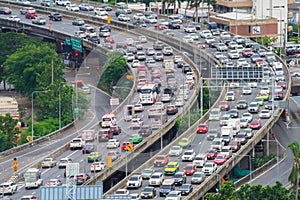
{"points": [[84, 75]]}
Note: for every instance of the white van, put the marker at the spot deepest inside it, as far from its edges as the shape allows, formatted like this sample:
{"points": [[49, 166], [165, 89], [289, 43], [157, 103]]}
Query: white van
{"points": [[108, 120], [215, 114]]}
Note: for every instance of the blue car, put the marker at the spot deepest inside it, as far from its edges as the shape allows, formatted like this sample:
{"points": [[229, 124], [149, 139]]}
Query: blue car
{"points": [[88, 148]]}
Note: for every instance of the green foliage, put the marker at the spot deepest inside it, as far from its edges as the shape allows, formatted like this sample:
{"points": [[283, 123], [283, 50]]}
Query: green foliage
{"points": [[294, 25], [7, 132], [260, 161], [44, 127], [248, 192], [30, 67], [294, 175], [266, 40], [294, 39], [114, 68]]}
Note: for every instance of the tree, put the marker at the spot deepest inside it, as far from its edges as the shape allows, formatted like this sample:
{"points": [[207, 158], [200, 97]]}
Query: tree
{"points": [[294, 175], [30, 68], [8, 131]]}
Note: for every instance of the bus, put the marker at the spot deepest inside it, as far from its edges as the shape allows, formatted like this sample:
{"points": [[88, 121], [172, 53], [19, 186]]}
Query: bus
{"points": [[148, 94]]}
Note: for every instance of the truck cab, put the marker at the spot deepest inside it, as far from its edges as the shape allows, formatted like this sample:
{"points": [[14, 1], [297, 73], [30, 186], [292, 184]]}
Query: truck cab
{"points": [[77, 143], [108, 120]]}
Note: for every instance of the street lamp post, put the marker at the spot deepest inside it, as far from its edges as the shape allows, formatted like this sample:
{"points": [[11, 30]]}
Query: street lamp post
{"points": [[250, 163], [32, 96]]}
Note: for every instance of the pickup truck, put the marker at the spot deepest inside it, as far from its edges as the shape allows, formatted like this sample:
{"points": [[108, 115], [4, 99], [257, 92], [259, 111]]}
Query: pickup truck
{"points": [[77, 143]]}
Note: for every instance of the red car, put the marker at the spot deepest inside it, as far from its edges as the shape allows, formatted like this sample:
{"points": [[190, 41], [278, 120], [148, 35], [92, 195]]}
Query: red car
{"points": [[31, 15], [255, 124], [282, 84], [190, 169], [202, 128], [259, 61], [220, 159], [211, 154], [160, 26], [109, 40], [5, 11], [201, 45], [125, 144], [224, 106], [247, 53], [278, 96], [234, 145]]}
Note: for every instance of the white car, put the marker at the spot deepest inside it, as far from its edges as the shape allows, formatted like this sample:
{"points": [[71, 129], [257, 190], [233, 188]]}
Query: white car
{"points": [[174, 195], [14, 18], [200, 160], [72, 7], [63, 162], [135, 181], [230, 96], [156, 179], [112, 143], [209, 168], [194, 36], [151, 20], [215, 114], [247, 90], [100, 11], [8, 188], [264, 90], [190, 29], [247, 116], [139, 16], [253, 107], [135, 63], [175, 151], [62, 2], [179, 102], [80, 34], [244, 122], [205, 34], [217, 144], [209, 39], [233, 54], [241, 61], [123, 17], [136, 123], [226, 150], [97, 166], [188, 155], [265, 114], [187, 39], [232, 45], [221, 47]]}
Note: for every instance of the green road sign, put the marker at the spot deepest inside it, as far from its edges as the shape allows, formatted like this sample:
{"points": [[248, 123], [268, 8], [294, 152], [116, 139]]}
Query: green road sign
{"points": [[68, 41], [76, 44]]}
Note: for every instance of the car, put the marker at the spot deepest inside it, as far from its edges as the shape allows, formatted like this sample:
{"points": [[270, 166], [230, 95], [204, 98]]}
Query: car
{"points": [[234, 145], [97, 166], [88, 148], [29, 197], [188, 155], [62, 2], [220, 159], [244, 122], [255, 124], [115, 155], [5, 11], [171, 109], [209, 168], [123, 17], [148, 193], [94, 157], [247, 53], [224, 119], [185, 142], [147, 173], [63, 162], [224, 105], [151, 20], [230, 96], [14, 18], [135, 181], [212, 134], [253, 107], [136, 123], [241, 137], [242, 104], [265, 114], [215, 114], [72, 7], [112, 143], [186, 189], [171, 168], [211, 154], [259, 100], [186, 68], [175, 150], [160, 26], [94, 38], [264, 96], [8, 188], [234, 113], [202, 128], [78, 22], [281, 84], [278, 95], [190, 169], [179, 178], [54, 182], [217, 144], [136, 138], [174, 195], [190, 29], [86, 7], [221, 47], [54, 16], [174, 25], [233, 54], [48, 162], [145, 130], [81, 178], [39, 20], [156, 179], [247, 90], [139, 16], [115, 130], [226, 150], [205, 33], [161, 160], [198, 178], [199, 160]]}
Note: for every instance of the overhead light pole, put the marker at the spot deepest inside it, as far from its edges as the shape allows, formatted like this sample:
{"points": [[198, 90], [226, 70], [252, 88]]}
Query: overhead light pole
{"points": [[32, 113]]}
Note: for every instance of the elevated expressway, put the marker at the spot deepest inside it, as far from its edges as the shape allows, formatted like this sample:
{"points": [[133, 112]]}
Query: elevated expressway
{"points": [[212, 180]]}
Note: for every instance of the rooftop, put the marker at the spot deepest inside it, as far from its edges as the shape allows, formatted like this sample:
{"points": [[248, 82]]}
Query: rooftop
{"points": [[235, 15]]}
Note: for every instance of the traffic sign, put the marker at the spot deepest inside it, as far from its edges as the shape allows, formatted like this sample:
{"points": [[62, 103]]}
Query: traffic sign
{"points": [[108, 19], [109, 161], [72, 169], [15, 164], [29, 139], [130, 76], [76, 44], [68, 41], [114, 101]]}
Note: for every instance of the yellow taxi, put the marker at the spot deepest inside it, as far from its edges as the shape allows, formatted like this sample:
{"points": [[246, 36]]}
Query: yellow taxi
{"points": [[264, 96], [171, 168]]}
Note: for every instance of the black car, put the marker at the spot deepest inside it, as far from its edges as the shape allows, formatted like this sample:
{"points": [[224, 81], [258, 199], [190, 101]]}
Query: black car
{"points": [[186, 189], [55, 17], [94, 39], [169, 91], [81, 178], [180, 63], [140, 24], [119, 12], [5, 11], [171, 109], [78, 22], [104, 28], [174, 26], [186, 68], [180, 178], [148, 193]]}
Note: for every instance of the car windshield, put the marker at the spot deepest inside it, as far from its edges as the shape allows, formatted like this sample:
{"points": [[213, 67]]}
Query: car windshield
{"points": [[160, 158], [188, 153], [197, 175], [134, 178], [189, 167], [178, 176], [147, 189]]}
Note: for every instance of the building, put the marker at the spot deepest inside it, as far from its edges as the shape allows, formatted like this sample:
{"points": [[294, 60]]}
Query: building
{"points": [[9, 105], [253, 18]]}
